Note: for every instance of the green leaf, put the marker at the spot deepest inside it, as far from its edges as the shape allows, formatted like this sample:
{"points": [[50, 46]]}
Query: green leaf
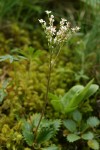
{"points": [[11, 58], [44, 135], [70, 109], [88, 136], [26, 126], [56, 124], [72, 137], [70, 125], [3, 94], [55, 101], [28, 136], [8, 57], [71, 94], [35, 119], [81, 96], [93, 88], [48, 129], [71, 100], [53, 96], [77, 116], [5, 84], [57, 105], [83, 127], [93, 121], [27, 132], [93, 144], [62, 105], [53, 147]]}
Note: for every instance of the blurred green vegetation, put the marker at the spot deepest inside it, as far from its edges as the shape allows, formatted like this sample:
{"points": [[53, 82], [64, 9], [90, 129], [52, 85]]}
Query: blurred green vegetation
{"points": [[78, 62]]}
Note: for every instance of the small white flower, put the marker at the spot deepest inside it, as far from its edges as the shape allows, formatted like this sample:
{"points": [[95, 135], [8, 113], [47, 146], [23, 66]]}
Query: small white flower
{"points": [[68, 24], [47, 12], [53, 30], [73, 29], [77, 28], [52, 16], [64, 20], [41, 21]]}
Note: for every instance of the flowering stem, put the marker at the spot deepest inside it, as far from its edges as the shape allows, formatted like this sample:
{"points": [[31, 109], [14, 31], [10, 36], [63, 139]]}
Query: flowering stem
{"points": [[46, 96], [54, 38]]}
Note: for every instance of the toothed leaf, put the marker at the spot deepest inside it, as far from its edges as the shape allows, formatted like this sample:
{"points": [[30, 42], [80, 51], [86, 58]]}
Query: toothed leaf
{"points": [[44, 135], [70, 125], [93, 121], [93, 144], [56, 124], [53, 147], [87, 136], [27, 132], [29, 137], [77, 116], [72, 137]]}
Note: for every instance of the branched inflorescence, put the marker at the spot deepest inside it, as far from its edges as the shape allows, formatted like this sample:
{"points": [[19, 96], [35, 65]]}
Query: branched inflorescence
{"points": [[57, 37]]}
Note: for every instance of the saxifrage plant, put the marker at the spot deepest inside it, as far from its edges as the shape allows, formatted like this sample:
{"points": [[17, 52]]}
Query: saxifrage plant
{"points": [[56, 40]]}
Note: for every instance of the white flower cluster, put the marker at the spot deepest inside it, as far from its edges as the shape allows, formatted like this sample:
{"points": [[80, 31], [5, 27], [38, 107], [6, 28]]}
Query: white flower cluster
{"points": [[57, 37]]}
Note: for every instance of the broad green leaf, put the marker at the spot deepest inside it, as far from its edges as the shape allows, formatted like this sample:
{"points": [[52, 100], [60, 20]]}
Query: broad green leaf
{"points": [[93, 144], [81, 96], [73, 137], [77, 116], [78, 97], [71, 100], [57, 105], [70, 125], [93, 88], [88, 136], [62, 105], [93, 121], [70, 109], [71, 94]]}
